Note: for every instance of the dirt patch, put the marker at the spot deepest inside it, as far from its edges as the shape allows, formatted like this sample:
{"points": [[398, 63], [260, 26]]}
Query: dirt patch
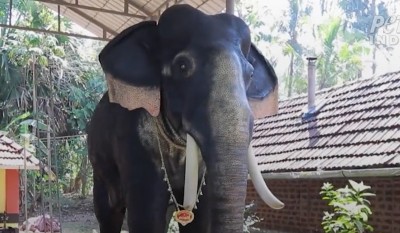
{"points": [[78, 214]]}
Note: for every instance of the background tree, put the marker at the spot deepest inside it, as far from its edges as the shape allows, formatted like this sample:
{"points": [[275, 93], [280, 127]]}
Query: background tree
{"points": [[66, 76], [359, 17], [336, 31]]}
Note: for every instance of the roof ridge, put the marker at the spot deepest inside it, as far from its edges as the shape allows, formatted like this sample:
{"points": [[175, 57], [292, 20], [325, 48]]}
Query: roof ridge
{"points": [[15, 152], [374, 78]]}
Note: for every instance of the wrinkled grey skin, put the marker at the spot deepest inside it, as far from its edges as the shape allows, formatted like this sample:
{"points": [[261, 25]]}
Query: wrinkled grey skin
{"points": [[207, 70]]}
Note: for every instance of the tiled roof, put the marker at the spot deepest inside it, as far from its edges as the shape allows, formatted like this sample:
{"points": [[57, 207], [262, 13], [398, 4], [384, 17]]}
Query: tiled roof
{"points": [[12, 155], [357, 127]]}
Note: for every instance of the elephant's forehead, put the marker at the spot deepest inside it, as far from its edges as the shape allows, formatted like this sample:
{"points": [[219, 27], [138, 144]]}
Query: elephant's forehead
{"points": [[182, 25]]}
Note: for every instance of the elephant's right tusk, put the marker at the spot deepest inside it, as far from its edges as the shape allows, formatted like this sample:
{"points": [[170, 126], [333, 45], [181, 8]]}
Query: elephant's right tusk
{"points": [[259, 184], [191, 173]]}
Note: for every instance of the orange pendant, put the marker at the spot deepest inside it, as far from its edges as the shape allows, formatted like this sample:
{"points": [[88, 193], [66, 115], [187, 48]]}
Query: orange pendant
{"points": [[184, 217]]}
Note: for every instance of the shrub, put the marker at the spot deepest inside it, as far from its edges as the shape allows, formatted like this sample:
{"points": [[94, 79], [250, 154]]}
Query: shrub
{"points": [[351, 209], [250, 218]]}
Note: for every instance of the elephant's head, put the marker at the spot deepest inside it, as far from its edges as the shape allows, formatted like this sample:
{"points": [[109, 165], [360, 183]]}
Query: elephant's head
{"points": [[204, 75]]}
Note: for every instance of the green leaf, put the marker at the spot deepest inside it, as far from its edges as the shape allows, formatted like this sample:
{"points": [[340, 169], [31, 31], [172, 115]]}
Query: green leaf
{"points": [[36, 51], [34, 123], [43, 61], [360, 227], [59, 51], [367, 195], [350, 209], [18, 118], [364, 216], [359, 187]]}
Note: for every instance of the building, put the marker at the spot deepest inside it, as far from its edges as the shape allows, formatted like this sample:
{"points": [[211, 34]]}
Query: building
{"points": [[355, 135], [11, 162]]}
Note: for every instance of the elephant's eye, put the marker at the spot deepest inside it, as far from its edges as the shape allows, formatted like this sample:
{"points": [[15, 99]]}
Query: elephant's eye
{"points": [[249, 70], [248, 74], [183, 66]]}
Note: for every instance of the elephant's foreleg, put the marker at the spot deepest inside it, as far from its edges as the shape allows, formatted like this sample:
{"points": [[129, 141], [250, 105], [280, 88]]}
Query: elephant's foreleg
{"points": [[147, 198], [110, 218]]}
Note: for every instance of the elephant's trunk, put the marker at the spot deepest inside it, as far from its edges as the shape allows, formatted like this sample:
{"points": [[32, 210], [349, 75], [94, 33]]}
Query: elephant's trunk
{"points": [[222, 127], [227, 184]]}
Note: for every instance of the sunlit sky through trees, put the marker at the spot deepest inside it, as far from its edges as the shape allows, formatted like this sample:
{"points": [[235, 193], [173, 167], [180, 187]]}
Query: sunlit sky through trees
{"points": [[278, 9]]}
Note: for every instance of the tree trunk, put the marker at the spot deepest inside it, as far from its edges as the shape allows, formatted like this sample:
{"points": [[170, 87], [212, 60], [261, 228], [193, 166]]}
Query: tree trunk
{"points": [[84, 176], [373, 11]]}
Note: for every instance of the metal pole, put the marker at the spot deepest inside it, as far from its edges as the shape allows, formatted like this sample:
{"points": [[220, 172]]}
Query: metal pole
{"points": [[52, 32], [311, 82], [59, 18], [94, 9], [58, 187], [34, 102], [10, 12], [230, 7], [25, 183], [49, 165]]}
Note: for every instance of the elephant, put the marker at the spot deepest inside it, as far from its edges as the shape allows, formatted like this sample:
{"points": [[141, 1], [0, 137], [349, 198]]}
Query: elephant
{"points": [[175, 126]]}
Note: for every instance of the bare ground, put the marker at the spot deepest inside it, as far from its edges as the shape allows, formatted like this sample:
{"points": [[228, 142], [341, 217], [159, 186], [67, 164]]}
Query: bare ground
{"points": [[77, 215]]}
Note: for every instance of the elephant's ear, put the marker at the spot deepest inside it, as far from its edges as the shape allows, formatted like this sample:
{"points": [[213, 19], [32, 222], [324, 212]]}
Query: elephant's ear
{"points": [[263, 89], [132, 72]]}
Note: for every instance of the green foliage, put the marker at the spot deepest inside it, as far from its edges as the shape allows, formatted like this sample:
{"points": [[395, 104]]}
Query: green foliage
{"points": [[83, 101], [58, 67], [337, 32], [340, 59], [327, 62], [250, 218], [68, 81], [351, 209], [250, 12]]}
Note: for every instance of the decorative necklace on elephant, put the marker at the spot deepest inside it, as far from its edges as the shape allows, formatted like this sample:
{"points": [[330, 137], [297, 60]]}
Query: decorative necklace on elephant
{"points": [[182, 215]]}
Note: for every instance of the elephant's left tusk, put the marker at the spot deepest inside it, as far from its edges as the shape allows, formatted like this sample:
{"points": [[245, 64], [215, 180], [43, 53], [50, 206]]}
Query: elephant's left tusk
{"points": [[191, 173], [262, 189]]}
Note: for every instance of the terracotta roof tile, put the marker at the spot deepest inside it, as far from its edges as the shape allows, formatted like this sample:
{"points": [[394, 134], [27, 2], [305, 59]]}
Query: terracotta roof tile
{"points": [[12, 155], [358, 127]]}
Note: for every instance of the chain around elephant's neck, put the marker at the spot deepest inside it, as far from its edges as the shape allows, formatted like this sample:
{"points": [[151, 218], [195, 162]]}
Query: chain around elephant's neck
{"points": [[166, 179], [169, 133]]}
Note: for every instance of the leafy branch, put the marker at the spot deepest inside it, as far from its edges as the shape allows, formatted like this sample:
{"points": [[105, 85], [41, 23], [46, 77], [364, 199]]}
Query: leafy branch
{"points": [[351, 209]]}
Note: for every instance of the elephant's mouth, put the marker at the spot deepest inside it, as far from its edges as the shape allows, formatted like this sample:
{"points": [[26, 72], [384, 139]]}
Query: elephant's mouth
{"points": [[169, 132], [192, 158]]}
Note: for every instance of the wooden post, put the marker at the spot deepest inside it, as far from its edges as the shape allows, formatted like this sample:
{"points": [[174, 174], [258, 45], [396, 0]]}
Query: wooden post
{"points": [[49, 163], [230, 7], [2, 190]]}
